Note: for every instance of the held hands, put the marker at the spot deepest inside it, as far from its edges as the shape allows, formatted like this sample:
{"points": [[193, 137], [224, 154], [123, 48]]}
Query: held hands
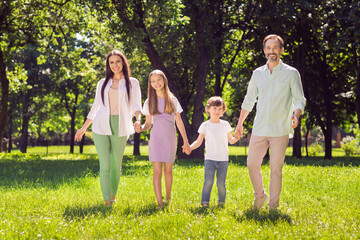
{"points": [[186, 148], [79, 134], [238, 132], [137, 126]]}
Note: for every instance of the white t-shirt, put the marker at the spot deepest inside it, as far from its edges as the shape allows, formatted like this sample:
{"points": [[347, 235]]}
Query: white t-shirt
{"points": [[216, 140], [176, 103]]}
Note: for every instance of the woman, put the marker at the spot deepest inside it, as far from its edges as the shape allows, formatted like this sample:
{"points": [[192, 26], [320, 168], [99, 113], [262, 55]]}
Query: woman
{"points": [[117, 99]]}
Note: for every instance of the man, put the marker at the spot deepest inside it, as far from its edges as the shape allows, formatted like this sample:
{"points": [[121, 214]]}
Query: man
{"points": [[277, 89]]}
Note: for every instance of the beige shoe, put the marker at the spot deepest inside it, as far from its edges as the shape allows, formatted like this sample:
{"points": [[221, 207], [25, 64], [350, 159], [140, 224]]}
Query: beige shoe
{"points": [[259, 202], [273, 207]]}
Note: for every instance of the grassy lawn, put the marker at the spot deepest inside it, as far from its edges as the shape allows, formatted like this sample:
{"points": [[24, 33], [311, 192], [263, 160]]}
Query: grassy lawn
{"points": [[233, 150], [58, 196]]}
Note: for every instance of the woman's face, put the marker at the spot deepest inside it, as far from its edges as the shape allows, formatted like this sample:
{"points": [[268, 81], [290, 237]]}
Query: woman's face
{"points": [[157, 82], [116, 64]]}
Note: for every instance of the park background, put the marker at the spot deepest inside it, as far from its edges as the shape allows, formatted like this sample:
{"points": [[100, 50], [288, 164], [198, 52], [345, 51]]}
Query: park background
{"points": [[52, 54]]}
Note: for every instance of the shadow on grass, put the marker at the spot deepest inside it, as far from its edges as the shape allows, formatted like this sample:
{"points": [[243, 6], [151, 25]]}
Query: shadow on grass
{"points": [[144, 210], [53, 170], [72, 213], [206, 210], [35, 170], [263, 217], [100, 210]]}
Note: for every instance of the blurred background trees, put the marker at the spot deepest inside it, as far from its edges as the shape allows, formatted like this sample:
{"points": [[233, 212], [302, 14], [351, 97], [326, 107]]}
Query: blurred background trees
{"points": [[52, 53]]}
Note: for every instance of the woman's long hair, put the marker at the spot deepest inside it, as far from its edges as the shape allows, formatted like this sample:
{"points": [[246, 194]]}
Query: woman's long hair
{"points": [[109, 74], [152, 98]]}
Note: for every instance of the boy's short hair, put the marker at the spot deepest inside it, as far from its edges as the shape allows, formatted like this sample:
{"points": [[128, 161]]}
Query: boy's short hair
{"points": [[215, 102]]}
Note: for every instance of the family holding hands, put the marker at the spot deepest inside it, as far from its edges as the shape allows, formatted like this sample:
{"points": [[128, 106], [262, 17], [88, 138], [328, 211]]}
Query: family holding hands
{"points": [[276, 87]]}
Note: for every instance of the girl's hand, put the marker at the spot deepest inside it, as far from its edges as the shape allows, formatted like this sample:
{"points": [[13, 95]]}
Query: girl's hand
{"points": [[137, 126], [186, 148], [79, 134]]}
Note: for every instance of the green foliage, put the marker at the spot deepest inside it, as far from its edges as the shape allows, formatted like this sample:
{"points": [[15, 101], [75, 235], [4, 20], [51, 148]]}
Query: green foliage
{"points": [[219, 39], [315, 149], [350, 146]]}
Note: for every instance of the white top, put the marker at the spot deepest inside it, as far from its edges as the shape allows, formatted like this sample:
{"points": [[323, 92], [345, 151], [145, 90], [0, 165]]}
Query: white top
{"points": [[176, 103], [100, 113], [216, 140]]}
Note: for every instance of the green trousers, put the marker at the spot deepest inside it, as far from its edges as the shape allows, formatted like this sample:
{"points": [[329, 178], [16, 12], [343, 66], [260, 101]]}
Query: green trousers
{"points": [[110, 149]]}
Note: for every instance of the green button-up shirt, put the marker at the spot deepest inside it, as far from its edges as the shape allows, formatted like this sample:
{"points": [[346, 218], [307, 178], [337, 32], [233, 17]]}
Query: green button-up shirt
{"points": [[277, 95]]}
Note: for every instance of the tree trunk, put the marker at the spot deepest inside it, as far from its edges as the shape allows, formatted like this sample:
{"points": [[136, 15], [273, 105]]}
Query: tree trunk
{"points": [[328, 145], [10, 134], [82, 142], [357, 88], [300, 65], [297, 141], [136, 151], [327, 129], [306, 141], [4, 97], [72, 130], [200, 76], [24, 134]]}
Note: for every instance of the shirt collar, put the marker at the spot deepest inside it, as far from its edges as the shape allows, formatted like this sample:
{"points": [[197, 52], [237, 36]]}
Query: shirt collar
{"points": [[277, 68]]}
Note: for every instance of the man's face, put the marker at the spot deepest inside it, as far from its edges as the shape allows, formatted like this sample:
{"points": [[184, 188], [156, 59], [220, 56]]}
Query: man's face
{"points": [[273, 50]]}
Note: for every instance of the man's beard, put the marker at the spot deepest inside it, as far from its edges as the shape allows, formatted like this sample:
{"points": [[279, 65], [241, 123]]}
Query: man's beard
{"points": [[272, 59]]}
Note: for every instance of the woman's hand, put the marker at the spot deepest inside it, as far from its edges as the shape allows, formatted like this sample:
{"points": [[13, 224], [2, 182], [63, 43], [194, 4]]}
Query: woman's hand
{"points": [[79, 134]]}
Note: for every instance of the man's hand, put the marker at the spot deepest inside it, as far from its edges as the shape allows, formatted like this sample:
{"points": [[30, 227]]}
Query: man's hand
{"points": [[295, 120], [238, 131]]}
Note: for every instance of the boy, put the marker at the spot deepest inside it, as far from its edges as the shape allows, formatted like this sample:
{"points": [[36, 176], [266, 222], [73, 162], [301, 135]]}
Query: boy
{"points": [[217, 134]]}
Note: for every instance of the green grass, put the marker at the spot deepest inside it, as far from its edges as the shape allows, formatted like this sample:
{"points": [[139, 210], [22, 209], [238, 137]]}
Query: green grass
{"points": [[233, 150], [58, 196]]}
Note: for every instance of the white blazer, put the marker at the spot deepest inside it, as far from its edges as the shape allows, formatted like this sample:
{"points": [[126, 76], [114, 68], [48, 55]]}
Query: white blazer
{"points": [[100, 113]]}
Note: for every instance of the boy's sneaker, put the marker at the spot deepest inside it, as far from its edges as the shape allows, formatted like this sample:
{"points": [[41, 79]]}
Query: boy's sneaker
{"points": [[205, 205], [221, 204], [259, 202]]}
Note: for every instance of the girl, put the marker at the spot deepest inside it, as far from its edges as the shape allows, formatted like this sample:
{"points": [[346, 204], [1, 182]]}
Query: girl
{"points": [[162, 110], [117, 98]]}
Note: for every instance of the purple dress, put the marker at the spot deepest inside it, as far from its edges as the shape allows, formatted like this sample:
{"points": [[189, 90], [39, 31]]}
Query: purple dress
{"points": [[163, 141]]}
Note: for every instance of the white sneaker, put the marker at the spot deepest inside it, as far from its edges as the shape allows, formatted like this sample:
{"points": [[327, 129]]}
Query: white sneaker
{"points": [[259, 202]]}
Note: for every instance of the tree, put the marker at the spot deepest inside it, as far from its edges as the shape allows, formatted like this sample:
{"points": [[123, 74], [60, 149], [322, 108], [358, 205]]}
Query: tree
{"points": [[193, 32], [16, 29], [31, 91], [21, 23]]}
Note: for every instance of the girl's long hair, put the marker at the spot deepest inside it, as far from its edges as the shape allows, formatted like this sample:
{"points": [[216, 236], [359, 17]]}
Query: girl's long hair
{"points": [[109, 74], [152, 98]]}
